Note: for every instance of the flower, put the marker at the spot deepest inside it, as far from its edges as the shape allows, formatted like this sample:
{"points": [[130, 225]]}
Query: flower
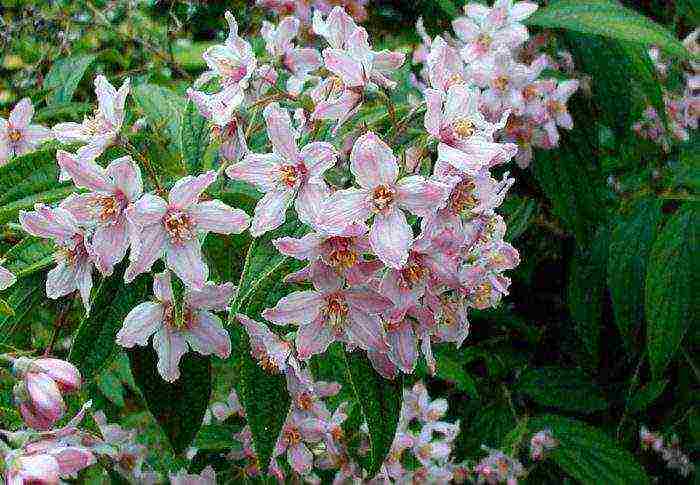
{"points": [[232, 62], [232, 407], [74, 267], [380, 195], [112, 190], [174, 326], [331, 313], [296, 432], [7, 279], [285, 174], [541, 442], [102, 128], [207, 477], [273, 353], [170, 229], [17, 135]]}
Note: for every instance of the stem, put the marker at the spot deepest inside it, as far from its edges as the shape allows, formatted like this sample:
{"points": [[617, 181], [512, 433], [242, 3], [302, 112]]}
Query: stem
{"points": [[691, 363], [60, 321]]}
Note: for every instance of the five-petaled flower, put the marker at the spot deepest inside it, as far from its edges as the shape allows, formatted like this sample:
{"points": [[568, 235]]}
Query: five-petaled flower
{"points": [[17, 135]]}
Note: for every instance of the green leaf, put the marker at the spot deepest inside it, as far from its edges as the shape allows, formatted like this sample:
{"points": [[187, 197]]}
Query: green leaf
{"points": [[28, 256], [607, 18], [194, 138], [29, 179], [109, 384], [586, 289], [70, 110], [451, 368], [218, 437], [65, 75], [448, 7], [567, 389], [672, 286], [22, 297], [178, 407], [633, 233], [589, 455], [646, 395], [94, 342], [5, 309], [163, 108], [379, 402], [519, 212]]}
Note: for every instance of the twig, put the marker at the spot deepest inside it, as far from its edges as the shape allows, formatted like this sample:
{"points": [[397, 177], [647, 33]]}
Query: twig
{"points": [[60, 321]]}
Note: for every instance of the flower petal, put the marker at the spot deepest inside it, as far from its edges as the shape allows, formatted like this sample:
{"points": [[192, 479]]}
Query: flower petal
{"points": [[279, 131], [313, 338], [148, 210], [270, 211], [258, 169], [343, 65], [60, 281], [140, 323], [210, 297], [126, 176], [318, 157], [186, 261], [391, 237], [304, 248], [7, 279], [170, 347], [345, 207], [215, 216], [372, 162], [21, 114], [366, 331], [298, 308], [108, 246], [207, 335], [422, 197], [49, 223], [404, 347], [187, 190], [147, 246]]}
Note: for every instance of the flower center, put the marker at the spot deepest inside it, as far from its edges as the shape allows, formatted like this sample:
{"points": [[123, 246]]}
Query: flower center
{"points": [[393, 326], [484, 41], [292, 436], [180, 226], [500, 83], [232, 70], [464, 127], [482, 294], [291, 174], [413, 273], [383, 197], [177, 316], [110, 207], [14, 135], [337, 433], [529, 92], [336, 310], [555, 107], [463, 196], [455, 78], [341, 256], [268, 365], [73, 253], [305, 401], [226, 132]]}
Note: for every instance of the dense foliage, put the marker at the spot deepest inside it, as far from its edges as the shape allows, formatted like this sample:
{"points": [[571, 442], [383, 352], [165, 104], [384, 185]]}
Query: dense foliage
{"points": [[332, 241]]}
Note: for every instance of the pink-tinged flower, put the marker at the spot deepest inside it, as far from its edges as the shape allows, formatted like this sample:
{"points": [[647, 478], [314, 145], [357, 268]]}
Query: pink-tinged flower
{"points": [[296, 432], [272, 353], [454, 119], [334, 102], [232, 62], [342, 252], [233, 143], [286, 174], [498, 467], [219, 108], [555, 97], [23, 469], [112, 190], [542, 442], [17, 135], [175, 325], [380, 195], [74, 268], [7, 278], [418, 405], [308, 394], [331, 313], [232, 407], [170, 229], [279, 39], [445, 67], [100, 129], [337, 27], [207, 477], [64, 374], [40, 400]]}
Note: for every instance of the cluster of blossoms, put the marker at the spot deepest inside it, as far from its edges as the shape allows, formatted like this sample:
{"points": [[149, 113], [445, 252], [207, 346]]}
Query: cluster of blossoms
{"points": [[682, 109], [669, 451], [492, 53], [303, 9]]}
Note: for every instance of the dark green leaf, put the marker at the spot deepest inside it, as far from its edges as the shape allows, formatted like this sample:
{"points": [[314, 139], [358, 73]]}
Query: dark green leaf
{"points": [[163, 108], [22, 297], [65, 75], [672, 286], [567, 389], [178, 407], [379, 401], [588, 454], [218, 437], [519, 216], [194, 138], [646, 395]]}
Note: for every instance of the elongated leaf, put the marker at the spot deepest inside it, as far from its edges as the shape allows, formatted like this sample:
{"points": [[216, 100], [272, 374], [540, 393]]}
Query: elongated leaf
{"points": [[28, 256], [567, 389], [449, 7], [218, 437], [519, 216], [29, 179], [646, 395], [163, 108], [588, 454], [94, 342], [65, 75], [379, 401], [194, 138], [633, 233], [609, 19], [586, 289], [22, 297], [672, 286], [178, 407]]}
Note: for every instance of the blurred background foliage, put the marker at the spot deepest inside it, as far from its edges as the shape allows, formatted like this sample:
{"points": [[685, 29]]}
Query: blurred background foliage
{"points": [[601, 325]]}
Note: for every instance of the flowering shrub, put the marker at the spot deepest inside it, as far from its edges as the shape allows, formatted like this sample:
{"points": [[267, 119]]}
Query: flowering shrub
{"points": [[315, 248]]}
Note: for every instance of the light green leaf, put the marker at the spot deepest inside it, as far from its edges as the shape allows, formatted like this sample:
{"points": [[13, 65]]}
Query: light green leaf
{"points": [[672, 286], [607, 18], [194, 138], [163, 108], [5, 309], [65, 75]]}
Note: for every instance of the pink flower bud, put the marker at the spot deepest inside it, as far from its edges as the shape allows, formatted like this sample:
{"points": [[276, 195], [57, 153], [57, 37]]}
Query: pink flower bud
{"points": [[41, 403], [38, 469], [65, 374]]}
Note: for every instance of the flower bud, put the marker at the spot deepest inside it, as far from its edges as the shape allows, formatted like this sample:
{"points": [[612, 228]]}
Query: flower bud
{"points": [[39, 469], [65, 374], [40, 400]]}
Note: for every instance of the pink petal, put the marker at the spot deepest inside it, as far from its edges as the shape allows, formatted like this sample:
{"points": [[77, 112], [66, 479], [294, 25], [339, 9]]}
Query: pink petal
{"points": [[422, 197], [35, 134], [215, 216], [433, 114], [148, 210], [304, 248], [381, 363], [126, 176], [207, 335], [108, 246], [310, 200], [342, 64], [72, 459], [60, 281], [340, 108], [7, 279], [83, 278], [21, 114], [49, 223], [345, 207], [404, 348], [37, 468], [162, 287], [187, 190], [147, 246], [45, 395], [391, 237], [300, 458], [106, 95], [366, 331], [259, 170], [386, 60], [367, 301], [170, 347], [318, 157], [210, 297], [372, 162], [522, 10], [186, 261], [466, 29], [279, 131], [474, 155], [81, 207], [298, 308], [270, 212], [139, 324]]}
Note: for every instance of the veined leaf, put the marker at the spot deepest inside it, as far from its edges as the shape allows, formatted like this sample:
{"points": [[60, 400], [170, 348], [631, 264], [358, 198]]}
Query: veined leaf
{"points": [[568, 389], [646, 395], [672, 286], [22, 297], [218, 437], [94, 342], [630, 243], [589, 455], [379, 402], [28, 256], [65, 75], [178, 407], [163, 108], [609, 19], [194, 138]]}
